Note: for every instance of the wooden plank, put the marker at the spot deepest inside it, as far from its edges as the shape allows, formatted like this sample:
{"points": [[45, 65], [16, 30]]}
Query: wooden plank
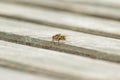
{"points": [[76, 43], [108, 3], [11, 74], [63, 20], [92, 10], [55, 64]]}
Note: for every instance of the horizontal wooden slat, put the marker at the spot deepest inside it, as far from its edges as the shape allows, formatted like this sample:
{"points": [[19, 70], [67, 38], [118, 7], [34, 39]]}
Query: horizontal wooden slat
{"points": [[64, 20], [93, 10], [77, 43], [109, 3], [11, 74], [58, 65]]}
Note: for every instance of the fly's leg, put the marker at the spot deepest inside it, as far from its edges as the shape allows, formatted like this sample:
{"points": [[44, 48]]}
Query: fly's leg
{"points": [[58, 42], [53, 39], [53, 42]]}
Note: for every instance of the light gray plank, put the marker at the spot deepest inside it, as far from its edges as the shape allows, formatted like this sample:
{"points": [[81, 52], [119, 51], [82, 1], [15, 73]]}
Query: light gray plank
{"points": [[64, 20], [93, 10], [52, 63], [109, 3], [76, 43], [11, 74]]}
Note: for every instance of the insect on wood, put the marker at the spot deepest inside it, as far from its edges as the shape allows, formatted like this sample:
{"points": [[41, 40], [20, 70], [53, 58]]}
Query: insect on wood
{"points": [[58, 37]]}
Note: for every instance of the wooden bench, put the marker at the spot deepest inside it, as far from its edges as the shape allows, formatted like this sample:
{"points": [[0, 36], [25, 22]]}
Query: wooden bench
{"points": [[92, 10], [77, 43], [55, 64], [91, 50], [62, 19]]}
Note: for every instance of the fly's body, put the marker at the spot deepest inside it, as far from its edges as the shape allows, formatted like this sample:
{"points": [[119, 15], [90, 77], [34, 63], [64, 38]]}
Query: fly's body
{"points": [[58, 37]]}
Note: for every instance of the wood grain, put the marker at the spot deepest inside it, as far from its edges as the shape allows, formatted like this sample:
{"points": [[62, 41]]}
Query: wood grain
{"points": [[91, 50], [77, 43], [105, 3], [92, 10], [55, 64], [12, 74], [80, 23]]}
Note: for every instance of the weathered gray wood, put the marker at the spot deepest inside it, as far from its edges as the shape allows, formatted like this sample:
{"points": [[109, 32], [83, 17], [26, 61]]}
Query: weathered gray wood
{"points": [[76, 43], [93, 10], [109, 3], [64, 20], [55, 64], [50, 65], [11, 74]]}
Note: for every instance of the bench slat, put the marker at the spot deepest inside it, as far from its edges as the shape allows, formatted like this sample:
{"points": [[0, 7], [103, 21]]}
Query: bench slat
{"points": [[92, 10], [63, 20], [55, 64], [11, 74], [76, 43]]}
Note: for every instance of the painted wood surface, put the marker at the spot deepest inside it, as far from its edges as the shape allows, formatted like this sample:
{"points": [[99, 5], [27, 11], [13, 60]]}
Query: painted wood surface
{"points": [[92, 10], [107, 3], [11, 74], [56, 64], [77, 43], [63, 20], [91, 50]]}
